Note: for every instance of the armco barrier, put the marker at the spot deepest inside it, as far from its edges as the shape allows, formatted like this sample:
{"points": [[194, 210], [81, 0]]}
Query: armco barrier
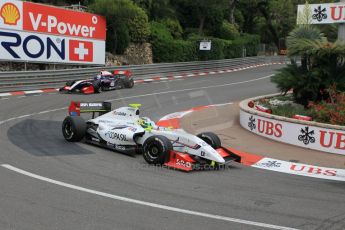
{"points": [[24, 80], [306, 134]]}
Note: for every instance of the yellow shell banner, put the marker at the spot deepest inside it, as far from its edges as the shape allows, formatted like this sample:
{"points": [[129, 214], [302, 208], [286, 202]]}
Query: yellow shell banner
{"points": [[10, 14]]}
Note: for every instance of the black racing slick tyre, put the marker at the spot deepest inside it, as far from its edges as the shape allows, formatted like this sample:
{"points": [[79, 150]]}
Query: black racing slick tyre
{"points": [[156, 150], [73, 128], [129, 83], [211, 139], [97, 86], [70, 83]]}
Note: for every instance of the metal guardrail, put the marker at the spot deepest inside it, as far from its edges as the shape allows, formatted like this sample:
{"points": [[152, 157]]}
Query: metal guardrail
{"points": [[26, 80]]}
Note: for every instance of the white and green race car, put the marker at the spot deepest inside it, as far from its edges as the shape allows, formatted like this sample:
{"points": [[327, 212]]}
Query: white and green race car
{"points": [[123, 130]]}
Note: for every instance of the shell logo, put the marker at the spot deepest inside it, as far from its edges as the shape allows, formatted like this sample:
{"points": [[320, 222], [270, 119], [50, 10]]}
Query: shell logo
{"points": [[10, 14]]}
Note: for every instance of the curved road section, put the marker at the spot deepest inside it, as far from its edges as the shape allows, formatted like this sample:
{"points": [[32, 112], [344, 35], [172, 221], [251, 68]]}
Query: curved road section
{"points": [[47, 183]]}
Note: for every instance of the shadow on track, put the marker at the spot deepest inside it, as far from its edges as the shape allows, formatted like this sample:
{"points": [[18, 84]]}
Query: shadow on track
{"points": [[43, 138]]}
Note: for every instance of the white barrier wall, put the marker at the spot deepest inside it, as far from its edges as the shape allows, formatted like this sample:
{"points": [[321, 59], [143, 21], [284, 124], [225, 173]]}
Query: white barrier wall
{"points": [[303, 135]]}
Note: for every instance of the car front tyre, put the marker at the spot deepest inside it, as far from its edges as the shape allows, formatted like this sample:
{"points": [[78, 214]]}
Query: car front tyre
{"points": [[156, 149], [211, 139]]}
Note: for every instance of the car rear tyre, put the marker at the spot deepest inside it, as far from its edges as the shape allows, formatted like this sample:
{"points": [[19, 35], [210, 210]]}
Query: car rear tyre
{"points": [[97, 86], [211, 139], [129, 83], [156, 150], [73, 128]]}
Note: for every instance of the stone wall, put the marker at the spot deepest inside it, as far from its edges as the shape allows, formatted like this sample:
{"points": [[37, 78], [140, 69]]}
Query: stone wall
{"points": [[135, 54], [139, 54]]}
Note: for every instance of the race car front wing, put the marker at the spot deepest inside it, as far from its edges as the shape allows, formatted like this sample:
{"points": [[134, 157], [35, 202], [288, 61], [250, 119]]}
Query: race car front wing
{"points": [[186, 162]]}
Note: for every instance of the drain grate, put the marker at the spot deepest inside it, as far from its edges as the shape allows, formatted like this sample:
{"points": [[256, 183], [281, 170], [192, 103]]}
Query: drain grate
{"points": [[294, 161]]}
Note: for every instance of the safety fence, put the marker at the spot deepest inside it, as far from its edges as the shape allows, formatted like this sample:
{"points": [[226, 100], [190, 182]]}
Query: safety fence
{"points": [[26, 80]]}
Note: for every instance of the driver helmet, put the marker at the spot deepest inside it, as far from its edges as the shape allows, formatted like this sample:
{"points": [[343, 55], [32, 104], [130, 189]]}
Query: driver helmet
{"points": [[146, 123]]}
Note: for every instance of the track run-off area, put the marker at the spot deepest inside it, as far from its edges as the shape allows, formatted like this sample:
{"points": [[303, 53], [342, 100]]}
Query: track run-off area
{"points": [[48, 183]]}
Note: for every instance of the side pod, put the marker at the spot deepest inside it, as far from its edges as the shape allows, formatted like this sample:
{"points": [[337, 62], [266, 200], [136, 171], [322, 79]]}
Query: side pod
{"points": [[88, 90]]}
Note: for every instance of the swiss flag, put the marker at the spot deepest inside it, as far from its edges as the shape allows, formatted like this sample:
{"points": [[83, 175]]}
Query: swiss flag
{"points": [[80, 51]]}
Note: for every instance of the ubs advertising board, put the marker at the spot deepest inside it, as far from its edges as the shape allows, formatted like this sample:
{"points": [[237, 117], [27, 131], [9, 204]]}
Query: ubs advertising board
{"points": [[31, 32], [326, 13], [312, 137]]}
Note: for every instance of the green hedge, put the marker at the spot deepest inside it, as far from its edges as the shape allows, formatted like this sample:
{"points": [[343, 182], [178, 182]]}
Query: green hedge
{"points": [[216, 52], [169, 50], [228, 31], [159, 32], [174, 51], [234, 48]]}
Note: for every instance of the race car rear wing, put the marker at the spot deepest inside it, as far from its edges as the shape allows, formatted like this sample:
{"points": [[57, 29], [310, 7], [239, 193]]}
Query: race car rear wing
{"points": [[128, 73], [76, 108]]}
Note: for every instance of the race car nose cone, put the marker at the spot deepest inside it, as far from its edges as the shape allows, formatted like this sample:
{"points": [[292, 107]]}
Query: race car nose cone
{"points": [[219, 159], [213, 155]]}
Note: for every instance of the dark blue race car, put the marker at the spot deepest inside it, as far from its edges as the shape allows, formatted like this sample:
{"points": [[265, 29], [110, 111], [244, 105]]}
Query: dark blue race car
{"points": [[103, 81]]}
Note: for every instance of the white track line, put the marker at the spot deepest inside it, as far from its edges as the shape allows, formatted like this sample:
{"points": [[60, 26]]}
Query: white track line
{"points": [[31, 114], [33, 91], [144, 203], [5, 94]]}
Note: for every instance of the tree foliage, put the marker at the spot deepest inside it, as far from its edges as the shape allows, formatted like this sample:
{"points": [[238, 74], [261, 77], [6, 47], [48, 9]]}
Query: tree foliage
{"points": [[228, 31], [174, 27], [225, 19], [120, 13], [200, 13], [139, 29], [322, 65], [122, 39], [157, 9]]}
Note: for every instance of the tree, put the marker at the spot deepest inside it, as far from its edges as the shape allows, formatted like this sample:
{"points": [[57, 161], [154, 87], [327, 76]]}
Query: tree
{"points": [[228, 31], [279, 16], [122, 39], [139, 28], [232, 7], [322, 66], [157, 9], [197, 13], [174, 27], [117, 13], [273, 19], [297, 39]]}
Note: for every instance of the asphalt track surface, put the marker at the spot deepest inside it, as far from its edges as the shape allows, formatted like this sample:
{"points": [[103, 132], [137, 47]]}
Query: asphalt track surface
{"points": [[47, 183]]}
